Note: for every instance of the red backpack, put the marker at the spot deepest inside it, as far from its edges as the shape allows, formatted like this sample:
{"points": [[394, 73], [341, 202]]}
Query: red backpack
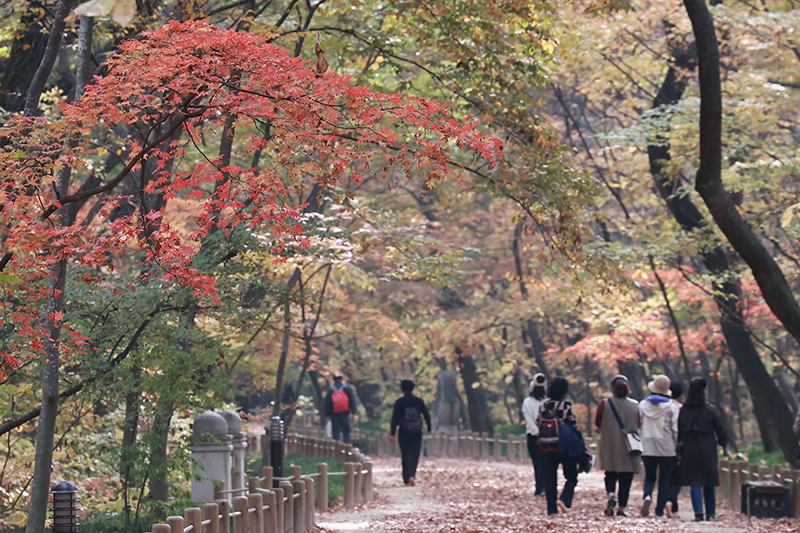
{"points": [[341, 403], [549, 429]]}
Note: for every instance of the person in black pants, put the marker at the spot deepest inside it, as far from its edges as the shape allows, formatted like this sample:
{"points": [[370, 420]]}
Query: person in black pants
{"points": [[557, 406], [339, 413], [407, 416]]}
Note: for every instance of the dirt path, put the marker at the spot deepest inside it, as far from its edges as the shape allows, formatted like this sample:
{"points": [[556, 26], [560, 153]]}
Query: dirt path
{"points": [[454, 495]]}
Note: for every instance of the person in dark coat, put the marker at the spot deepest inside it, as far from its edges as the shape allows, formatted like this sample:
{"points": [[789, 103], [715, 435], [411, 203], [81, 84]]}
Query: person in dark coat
{"points": [[340, 419], [407, 422], [562, 410], [699, 431]]}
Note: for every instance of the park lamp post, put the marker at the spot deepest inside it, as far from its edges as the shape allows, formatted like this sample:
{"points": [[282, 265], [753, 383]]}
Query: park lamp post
{"points": [[65, 507], [276, 447]]}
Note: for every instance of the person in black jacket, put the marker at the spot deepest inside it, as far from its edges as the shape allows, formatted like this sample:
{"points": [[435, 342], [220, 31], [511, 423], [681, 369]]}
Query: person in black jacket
{"points": [[698, 425], [337, 411], [407, 415]]}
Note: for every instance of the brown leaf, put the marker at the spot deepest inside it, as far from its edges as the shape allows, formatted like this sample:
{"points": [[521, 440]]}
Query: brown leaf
{"points": [[322, 63]]}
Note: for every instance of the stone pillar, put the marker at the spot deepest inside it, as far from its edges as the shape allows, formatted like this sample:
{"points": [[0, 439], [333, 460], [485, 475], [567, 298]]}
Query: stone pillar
{"points": [[239, 442], [212, 452]]}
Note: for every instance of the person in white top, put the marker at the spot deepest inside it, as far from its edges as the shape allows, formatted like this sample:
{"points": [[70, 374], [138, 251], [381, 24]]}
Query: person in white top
{"points": [[530, 410]]}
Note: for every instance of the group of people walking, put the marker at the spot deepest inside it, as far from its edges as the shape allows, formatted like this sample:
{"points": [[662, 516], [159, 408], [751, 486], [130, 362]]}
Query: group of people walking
{"points": [[677, 443]]}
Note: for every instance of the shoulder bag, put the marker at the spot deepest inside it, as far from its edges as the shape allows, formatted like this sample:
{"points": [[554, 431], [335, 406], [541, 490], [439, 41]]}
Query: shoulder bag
{"points": [[632, 438]]}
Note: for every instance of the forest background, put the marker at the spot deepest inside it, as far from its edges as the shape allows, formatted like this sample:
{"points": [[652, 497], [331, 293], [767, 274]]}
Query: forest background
{"points": [[175, 239]]}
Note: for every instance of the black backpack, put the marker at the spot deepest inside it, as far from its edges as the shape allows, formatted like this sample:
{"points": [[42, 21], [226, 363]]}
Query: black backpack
{"points": [[412, 421]]}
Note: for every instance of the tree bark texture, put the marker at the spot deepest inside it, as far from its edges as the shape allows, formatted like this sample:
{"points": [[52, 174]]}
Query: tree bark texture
{"points": [[708, 183], [477, 408], [25, 55]]}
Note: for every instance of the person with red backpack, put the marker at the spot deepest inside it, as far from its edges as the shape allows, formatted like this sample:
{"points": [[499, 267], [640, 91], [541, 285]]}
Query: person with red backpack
{"points": [[340, 406], [553, 415]]}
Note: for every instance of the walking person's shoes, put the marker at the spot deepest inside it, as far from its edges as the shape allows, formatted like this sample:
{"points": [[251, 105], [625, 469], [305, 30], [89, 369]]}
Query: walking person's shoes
{"points": [[621, 513], [668, 509], [646, 506], [698, 518], [412, 482], [562, 507], [610, 506]]}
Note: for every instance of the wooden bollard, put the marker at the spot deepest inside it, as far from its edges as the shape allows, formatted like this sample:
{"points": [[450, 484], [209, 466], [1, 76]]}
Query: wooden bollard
{"points": [[219, 486], [322, 487], [763, 473], [497, 447], [349, 484], [211, 513], [279, 510], [241, 523], [357, 496], [224, 507], [753, 475], [266, 477], [724, 469], [288, 505], [297, 472], [193, 516], [299, 506], [271, 514], [257, 518], [175, 524], [161, 528], [311, 515], [776, 472], [796, 493], [253, 484], [369, 493]]}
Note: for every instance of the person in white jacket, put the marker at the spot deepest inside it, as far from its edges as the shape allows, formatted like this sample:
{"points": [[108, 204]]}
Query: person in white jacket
{"points": [[530, 410], [659, 439]]}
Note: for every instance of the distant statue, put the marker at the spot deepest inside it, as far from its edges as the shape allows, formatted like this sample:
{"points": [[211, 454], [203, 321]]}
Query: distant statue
{"points": [[448, 407]]}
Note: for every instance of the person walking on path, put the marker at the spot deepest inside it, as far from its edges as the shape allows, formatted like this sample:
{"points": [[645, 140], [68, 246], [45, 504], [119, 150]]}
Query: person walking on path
{"points": [[674, 489], [553, 413], [698, 423], [407, 416], [659, 439], [614, 457], [530, 410], [339, 408]]}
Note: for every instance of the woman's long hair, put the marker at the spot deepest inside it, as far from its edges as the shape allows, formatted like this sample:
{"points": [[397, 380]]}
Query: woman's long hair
{"points": [[539, 392], [558, 388], [696, 395]]}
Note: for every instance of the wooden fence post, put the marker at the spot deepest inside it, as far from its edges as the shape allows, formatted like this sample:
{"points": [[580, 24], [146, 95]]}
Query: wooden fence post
{"points": [[369, 494], [271, 516], [724, 477], [796, 493], [175, 524], [266, 475], [322, 487], [256, 519], [241, 523], [193, 516], [224, 515], [497, 448], [349, 484], [310, 514], [357, 495], [288, 506], [279, 510], [211, 513], [297, 472], [161, 528], [299, 506]]}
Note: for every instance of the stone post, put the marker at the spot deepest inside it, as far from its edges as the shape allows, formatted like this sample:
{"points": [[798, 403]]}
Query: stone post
{"points": [[212, 452]]}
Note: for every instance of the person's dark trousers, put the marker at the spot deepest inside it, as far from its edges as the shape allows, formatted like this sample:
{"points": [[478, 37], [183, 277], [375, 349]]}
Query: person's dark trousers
{"points": [[537, 458], [709, 495], [340, 425], [658, 468], [674, 491], [625, 479], [570, 469], [410, 447]]}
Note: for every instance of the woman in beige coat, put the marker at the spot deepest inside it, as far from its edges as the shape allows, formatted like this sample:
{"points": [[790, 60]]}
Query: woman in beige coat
{"points": [[619, 465]]}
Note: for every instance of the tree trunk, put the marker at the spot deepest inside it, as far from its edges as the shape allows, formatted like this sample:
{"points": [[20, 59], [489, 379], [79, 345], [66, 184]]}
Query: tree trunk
{"points": [[728, 293], [159, 462], [26, 53], [636, 377], [477, 407]]}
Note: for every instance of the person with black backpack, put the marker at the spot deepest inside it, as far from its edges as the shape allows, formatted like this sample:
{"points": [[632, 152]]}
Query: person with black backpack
{"points": [[554, 414], [407, 416], [339, 407]]}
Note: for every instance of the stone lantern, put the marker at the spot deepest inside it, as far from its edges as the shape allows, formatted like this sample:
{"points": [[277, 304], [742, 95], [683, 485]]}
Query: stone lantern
{"points": [[211, 450]]}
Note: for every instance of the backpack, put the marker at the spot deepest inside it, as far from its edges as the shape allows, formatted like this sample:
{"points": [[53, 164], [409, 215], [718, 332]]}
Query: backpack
{"points": [[549, 430], [411, 421], [340, 400]]}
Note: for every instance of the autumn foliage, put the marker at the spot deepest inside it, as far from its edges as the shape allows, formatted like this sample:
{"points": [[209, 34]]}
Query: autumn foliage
{"points": [[191, 78]]}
